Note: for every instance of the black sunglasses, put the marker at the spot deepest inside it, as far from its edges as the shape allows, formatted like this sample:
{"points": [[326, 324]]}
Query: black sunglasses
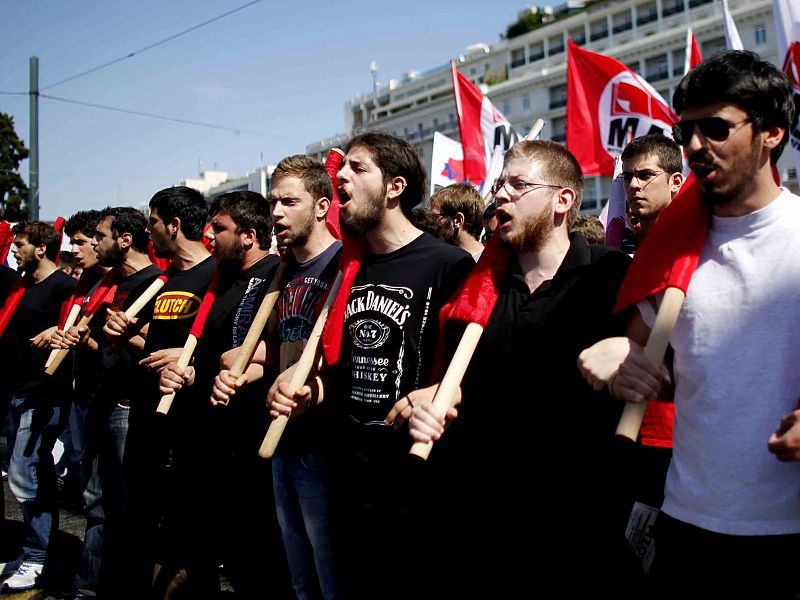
{"points": [[714, 128]]}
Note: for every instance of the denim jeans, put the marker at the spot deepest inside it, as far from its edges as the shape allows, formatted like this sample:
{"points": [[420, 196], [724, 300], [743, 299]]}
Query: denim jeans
{"points": [[105, 497], [31, 475], [304, 500]]}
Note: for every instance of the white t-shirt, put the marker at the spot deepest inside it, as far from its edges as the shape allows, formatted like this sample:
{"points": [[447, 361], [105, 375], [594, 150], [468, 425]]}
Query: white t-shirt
{"points": [[737, 373]]}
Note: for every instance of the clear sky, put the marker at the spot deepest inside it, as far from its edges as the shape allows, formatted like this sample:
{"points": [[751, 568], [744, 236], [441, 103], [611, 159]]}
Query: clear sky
{"points": [[279, 69]]}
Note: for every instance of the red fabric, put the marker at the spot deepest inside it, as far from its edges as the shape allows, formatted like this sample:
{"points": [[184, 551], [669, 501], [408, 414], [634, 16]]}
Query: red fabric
{"points": [[12, 300], [694, 52], [207, 242], [332, 167], [669, 254], [659, 418], [205, 306], [6, 237], [606, 103], [85, 282], [350, 263], [474, 301], [58, 225], [478, 121], [103, 294]]}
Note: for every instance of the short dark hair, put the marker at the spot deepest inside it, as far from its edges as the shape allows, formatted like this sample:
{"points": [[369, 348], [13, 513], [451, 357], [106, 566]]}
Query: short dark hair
{"points": [[83, 221], [461, 198], [666, 151], [309, 170], [439, 226], [395, 158], [558, 166], [125, 219], [248, 210], [490, 211], [742, 78], [38, 233], [590, 227], [187, 204]]}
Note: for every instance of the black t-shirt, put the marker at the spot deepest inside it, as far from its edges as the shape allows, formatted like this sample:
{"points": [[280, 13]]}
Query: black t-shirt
{"points": [[301, 300], [391, 324], [176, 306], [8, 277], [120, 375], [86, 361], [239, 294], [39, 309]]}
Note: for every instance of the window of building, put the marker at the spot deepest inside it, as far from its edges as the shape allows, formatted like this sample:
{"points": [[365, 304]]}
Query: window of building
{"points": [[558, 96], [761, 35], [536, 51], [646, 13], [526, 102], [678, 62], [506, 109], [436, 123], [558, 128], [713, 47], [578, 35], [635, 67], [517, 57], [671, 7], [598, 30], [621, 22], [656, 69], [555, 45]]}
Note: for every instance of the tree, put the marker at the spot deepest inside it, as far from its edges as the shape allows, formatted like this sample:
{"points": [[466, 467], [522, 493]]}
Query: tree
{"points": [[13, 191], [528, 20]]}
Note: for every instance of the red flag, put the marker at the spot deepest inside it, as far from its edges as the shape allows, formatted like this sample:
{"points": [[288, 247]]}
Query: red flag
{"points": [[12, 300], [335, 157], [349, 264], [205, 306], [482, 127], [668, 255], [85, 283], [6, 237], [606, 103], [58, 225], [693, 57]]}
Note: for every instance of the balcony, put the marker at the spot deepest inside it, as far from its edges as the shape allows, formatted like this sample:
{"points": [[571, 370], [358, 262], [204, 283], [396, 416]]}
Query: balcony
{"points": [[535, 57], [557, 102], [657, 75], [559, 137], [598, 35], [517, 62], [553, 50], [696, 3], [579, 39], [672, 10], [620, 27], [647, 18]]}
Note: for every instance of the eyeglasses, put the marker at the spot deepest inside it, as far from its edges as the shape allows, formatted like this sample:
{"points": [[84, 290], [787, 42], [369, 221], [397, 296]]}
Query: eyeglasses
{"points": [[517, 187], [643, 175], [714, 128]]}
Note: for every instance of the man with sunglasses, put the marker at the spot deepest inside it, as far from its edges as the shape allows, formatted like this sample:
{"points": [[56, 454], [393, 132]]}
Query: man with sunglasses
{"points": [[731, 514], [526, 414]]}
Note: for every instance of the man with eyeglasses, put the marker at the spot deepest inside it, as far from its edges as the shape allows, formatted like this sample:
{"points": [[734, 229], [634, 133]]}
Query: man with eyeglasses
{"points": [[731, 514], [526, 414], [652, 171]]}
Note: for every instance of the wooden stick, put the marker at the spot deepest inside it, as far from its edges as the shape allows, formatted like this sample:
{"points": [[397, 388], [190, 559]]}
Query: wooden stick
{"points": [[146, 296], [445, 395], [303, 367], [61, 353], [183, 361], [250, 342], [632, 415], [71, 318]]}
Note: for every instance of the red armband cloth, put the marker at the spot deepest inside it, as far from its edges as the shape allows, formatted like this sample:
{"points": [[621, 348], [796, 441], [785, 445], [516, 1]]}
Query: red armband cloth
{"points": [[656, 430]]}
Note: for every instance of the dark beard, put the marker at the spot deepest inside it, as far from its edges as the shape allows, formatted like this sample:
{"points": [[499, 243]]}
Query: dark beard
{"points": [[533, 235], [233, 258], [356, 225], [112, 259]]}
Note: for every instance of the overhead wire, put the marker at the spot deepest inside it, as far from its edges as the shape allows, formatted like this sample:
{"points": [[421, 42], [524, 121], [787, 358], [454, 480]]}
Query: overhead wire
{"points": [[150, 46]]}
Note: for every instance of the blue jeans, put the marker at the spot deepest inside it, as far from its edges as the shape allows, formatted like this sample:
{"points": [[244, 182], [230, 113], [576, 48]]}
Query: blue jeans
{"points": [[105, 496], [31, 474], [303, 485]]}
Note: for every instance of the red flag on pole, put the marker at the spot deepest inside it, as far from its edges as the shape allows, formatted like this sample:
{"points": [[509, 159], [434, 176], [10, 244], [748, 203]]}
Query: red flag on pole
{"points": [[668, 255], [6, 237], [693, 56], [607, 103], [482, 127]]}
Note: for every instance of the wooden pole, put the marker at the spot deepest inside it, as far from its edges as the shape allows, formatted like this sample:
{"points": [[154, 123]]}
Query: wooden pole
{"points": [[303, 368], [632, 415]]}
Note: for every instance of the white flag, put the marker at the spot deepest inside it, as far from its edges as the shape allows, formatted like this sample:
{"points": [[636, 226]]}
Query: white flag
{"points": [[447, 162], [732, 39]]}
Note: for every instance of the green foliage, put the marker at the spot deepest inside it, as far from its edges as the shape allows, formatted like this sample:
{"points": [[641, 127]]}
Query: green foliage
{"points": [[13, 191], [527, 21]]}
